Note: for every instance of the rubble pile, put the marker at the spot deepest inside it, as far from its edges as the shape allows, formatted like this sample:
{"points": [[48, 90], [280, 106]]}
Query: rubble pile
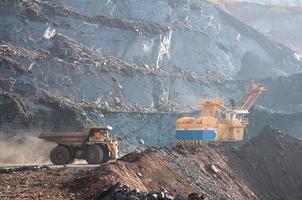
{"points": [[178, 172], [261, 169], [36, 183], [124, 192], [151, 174], [271, 164]]}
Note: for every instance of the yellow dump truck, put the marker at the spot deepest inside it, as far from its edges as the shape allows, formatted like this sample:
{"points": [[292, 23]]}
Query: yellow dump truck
{"points": [[94, 144]]}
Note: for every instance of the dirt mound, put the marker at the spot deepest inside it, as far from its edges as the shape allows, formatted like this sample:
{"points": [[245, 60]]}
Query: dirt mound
{"points": [[174, 172], [272, 164], [264, 168], [119, 191], [152, 174], [37, 183]]}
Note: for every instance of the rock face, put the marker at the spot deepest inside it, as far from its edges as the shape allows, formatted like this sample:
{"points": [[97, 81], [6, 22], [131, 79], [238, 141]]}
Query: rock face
{"points": [[279, 23], [121, 63], [280, 106], [271, 164], [275, 2], [289, 121], [200, 38]]}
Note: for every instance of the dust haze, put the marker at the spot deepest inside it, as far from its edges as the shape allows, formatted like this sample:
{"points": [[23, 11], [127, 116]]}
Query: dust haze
{"points": [[20, 150]]}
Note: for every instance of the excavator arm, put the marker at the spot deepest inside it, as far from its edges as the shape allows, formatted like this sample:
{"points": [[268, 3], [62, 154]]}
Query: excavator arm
{"points": [[251, 95]]}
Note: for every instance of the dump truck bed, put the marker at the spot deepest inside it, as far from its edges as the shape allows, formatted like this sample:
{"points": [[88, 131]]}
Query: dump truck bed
{"points": [[66, 138]]}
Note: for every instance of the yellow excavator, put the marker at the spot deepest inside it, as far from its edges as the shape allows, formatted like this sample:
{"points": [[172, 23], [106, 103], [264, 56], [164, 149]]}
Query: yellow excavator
{"points": [[216, 121]]}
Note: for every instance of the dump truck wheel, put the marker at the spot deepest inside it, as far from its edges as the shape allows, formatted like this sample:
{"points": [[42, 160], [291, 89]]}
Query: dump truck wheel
{"points": [[72, 152], [94, 154], [106, 153], [61, 155]]}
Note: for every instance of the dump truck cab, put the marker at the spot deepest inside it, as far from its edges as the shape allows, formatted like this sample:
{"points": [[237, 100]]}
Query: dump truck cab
{"points": [[94, 144], [98, 134]]}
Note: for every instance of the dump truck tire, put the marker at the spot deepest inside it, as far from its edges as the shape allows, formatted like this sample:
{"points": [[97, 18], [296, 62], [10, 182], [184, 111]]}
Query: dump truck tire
{"points": [[61, 155], [106, 153], [94, 154]]}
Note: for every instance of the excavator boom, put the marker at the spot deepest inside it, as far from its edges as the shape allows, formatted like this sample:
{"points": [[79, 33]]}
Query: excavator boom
{"points": [[252, 93]]}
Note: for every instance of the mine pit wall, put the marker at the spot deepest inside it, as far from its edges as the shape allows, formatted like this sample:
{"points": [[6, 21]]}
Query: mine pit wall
{"points": [[156, 50], [280, 106], [159, 42], [38, 117], [158, 129], [277, 99], [213, 39], [70, 78], [133, 130], [282, 91], [260, 117]]}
